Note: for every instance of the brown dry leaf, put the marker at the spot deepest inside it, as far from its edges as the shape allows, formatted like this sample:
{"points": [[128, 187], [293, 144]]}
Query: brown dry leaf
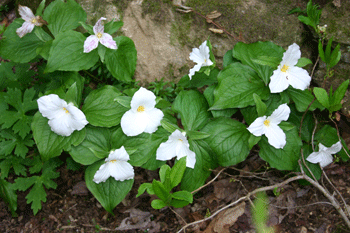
{"points": [[225, 190], [215, 30], [286, 199], [225, 219], [137, 220], [80, 189], [337, 3], [213, 15]]}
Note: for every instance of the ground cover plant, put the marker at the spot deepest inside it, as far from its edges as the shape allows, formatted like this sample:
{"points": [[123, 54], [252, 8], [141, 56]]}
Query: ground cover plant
{"points": [[118, 126]]}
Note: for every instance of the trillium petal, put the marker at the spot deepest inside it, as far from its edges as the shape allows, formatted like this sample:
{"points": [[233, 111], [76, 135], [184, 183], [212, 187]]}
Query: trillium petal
{"points": [[204, 49], [143, 97], [90, 43], [102, 174], [320, 157], [194, 69], [61, 126], [119, 154], [335, 148], [190, 159], [26, 13], [257, 127], [166, 150], [279, 81], [280, 114], [121, 170], [155, 116], [298, 78], [98, 27], [51, 105], [77, 118], [24, 29], [275, 135], [134, 123], [107, 40], [196, 56], [292, 55]]}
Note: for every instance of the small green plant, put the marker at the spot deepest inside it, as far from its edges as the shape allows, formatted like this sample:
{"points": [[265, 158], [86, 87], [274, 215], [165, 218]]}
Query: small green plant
{"points": [[260, 214]]}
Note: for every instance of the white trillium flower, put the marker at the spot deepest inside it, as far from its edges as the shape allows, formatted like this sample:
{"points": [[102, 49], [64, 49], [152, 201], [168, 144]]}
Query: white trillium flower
{"points": [[200, 56], [91, 42], [289, 74], [30, 21], [324, 154], [115, 165], [143, 116], [63, 118], [176, 146], [269, 126]]}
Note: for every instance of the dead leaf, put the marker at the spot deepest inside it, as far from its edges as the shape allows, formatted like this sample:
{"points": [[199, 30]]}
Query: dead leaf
{"points": [[225, 190], [137, 220], [337, 3], [215, 30], [213, 15], [80, 189], [225, 219]]}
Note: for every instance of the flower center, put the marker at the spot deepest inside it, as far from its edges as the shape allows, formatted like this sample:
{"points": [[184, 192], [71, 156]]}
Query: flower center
{"points": [[65, 110], [180, 140], [141, 108], [113, 161], [284, 68], [33, 21], [267, 123], [99, 35]]}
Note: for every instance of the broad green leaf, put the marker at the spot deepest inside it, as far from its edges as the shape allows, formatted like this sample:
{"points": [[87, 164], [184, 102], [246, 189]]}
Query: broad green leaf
{"points": [[122, 61], [113, 26], [176, 203], [109, 193], [253, 140], [260, 106], [157, 204], [320, 51], [12, 141], [95, 146], [196, 135], [183, 195], [256, 54], [168, 126], [209, 96], [49, 143], [67, 53], [282, 159], [101, 109], [17, 163], [237, 84], [196, 177], [339, 93], [62, 16], [303, 61], [161, 191], [87, 27], [177, 172], [18, 49], [229, 140], [143, 187], [199, 79], [39, 10], [302, 99], [124, 101], [306, 20], [193, 109], [164, 173], [308, 123], [335, 57], [322, 96], [9, 195], [228, 58]]}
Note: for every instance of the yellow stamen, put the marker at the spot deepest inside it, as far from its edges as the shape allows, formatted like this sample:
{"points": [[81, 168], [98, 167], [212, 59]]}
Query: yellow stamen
{"points": [[66, 110], [267, 123], [113, 161], [180, 140], [34, 20], [284, 68], [99, 35], [141, 108]]}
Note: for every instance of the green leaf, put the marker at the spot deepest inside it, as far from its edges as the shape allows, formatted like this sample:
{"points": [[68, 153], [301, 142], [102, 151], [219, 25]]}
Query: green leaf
{"points": [[181, 199], [63, 16], [302, 99], [122, 62], [282, 159], [199, 79], [101, 109], [9, 195], [322, 96], [168, 126], [320, 51], [196, 135], [177, 172], [124, 101], [306, 20], [308, 123], [161, 191], [164, 173], [18, 49], [260, 56], [335, 57], [237, 84], [339, 93], [109, 193], [303, 61], [14, 162], [260, 106], [228, 58], [157, 204], [260, 213], [229, 140], [67, 53], [95, 146], [13, 141], [39, 10], [192, 107], [143, 187], [209, 96], [113, 26], [253, 140], [88, 28], [49, 143]]}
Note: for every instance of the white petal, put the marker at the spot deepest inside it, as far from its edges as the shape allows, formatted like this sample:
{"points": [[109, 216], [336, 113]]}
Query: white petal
{"points": [[335, 148], [61, 126], [166, 150], [122, 170], [291, 56], [320, 157], [107, 40], [196, 56], [98, 27], [134, 123], [275, 135], [143, 97], [51, 105], [278, 81], [155, 116], [191, 159], [24, 29], [298, 78], [257, 127], [102, 174], [194, 69], [204, 50], [119, 154], [280, 114], [90, 43], [176, 135], [26, 13], [77, 117]]}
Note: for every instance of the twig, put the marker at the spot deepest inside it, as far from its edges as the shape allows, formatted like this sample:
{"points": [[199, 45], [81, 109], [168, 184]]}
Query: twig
{"points": [[208, 182], [178, 215]]}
